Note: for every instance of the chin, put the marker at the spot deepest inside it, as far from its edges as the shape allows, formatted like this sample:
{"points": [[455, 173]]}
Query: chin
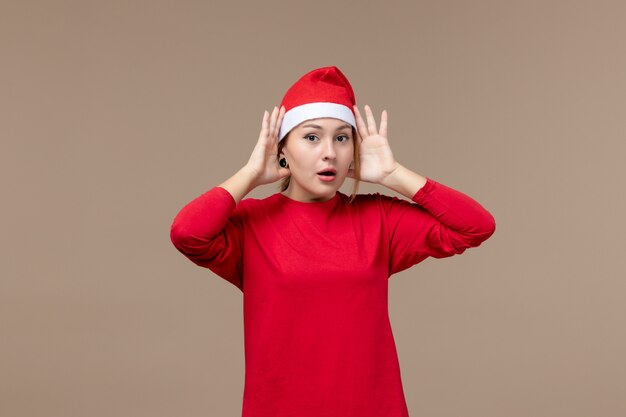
{"points": [[323, 191], [330, 193], [329, 186], [326, 194]]}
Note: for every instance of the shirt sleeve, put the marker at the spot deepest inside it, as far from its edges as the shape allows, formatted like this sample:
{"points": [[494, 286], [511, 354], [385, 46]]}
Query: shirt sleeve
{"points": [[440, 222], [209, 231]]}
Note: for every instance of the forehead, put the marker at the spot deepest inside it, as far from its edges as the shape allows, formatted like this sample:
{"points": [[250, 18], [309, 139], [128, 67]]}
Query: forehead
{"points": [[324, 123]]}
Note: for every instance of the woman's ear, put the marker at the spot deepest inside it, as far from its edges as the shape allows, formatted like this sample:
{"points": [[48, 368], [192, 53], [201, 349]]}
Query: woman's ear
{"points": [[281, 153]]}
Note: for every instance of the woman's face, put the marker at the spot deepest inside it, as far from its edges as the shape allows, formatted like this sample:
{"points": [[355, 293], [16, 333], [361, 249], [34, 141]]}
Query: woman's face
{"points": [[315, 146]]}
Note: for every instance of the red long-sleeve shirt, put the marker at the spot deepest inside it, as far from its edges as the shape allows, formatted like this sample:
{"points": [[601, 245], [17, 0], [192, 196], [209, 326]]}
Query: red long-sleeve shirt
{"points": [[314, 277]]}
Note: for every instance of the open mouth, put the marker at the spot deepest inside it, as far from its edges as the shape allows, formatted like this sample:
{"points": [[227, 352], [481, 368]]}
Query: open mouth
{"points": [[327, 175], [328, 172]]}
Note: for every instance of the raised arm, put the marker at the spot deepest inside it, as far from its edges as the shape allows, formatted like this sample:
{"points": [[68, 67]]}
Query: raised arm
{"points": [[209, 229], [444, 221], [262, 167]]}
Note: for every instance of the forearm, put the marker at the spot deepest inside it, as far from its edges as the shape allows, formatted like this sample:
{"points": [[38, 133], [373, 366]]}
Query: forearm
{"points": [[453, 208], [240, 184], [205, 216], [458, 211], [404, 181]]}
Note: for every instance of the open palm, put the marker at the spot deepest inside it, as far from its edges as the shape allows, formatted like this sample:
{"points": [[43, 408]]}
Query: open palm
{"points": [[377, 160], [263, 162]]}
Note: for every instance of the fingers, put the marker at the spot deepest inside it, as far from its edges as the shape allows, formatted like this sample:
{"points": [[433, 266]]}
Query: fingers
{"points": [[272, 122], [362, 129], [371, 122], [281, 115], [370, 128], [272, 128], [264, 124], [383, 124]]}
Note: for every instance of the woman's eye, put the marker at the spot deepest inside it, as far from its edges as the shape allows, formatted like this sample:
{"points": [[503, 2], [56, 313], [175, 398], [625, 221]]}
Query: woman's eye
{"points": [[341, 138]]}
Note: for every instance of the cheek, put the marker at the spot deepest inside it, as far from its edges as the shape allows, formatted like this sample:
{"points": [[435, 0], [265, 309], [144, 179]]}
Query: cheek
{"points": [[303, 158], [349, 153], [300, 165]]}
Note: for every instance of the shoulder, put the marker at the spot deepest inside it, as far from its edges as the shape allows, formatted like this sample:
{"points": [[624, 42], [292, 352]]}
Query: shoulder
{"points": [[251, 207], [270, 200]]}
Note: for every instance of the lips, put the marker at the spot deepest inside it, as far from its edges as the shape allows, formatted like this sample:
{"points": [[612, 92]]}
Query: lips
{"points": [[327, 175], [328, 172]]}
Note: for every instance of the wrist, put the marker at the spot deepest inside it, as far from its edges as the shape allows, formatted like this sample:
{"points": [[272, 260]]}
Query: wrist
{"points": [[249, 175], [391, 178], [404, 181], [240, 184]]}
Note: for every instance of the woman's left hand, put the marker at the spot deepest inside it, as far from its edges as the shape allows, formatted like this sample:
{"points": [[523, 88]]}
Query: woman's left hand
{"points": [[377, 160]]}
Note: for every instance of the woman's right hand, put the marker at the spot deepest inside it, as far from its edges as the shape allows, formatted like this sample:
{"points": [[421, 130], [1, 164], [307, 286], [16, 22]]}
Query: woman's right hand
{"points": [[263, 163]]}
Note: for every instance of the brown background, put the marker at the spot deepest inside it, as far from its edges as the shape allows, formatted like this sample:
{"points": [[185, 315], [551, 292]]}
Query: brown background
{"points": [[115, 114]]}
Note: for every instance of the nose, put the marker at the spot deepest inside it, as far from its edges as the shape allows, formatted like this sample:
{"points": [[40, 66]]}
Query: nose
{"points": [[329, 150]]}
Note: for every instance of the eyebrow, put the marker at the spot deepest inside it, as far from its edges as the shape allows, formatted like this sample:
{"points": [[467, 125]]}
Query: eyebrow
{"points": [[319, 127]]}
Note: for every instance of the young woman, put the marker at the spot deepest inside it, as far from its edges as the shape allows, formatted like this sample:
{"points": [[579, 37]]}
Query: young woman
{"points": [[313, 263]]}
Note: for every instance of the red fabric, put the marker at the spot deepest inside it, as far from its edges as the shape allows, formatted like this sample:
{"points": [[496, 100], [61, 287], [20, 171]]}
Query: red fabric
{"points": [[326, 84], [314, 276]]}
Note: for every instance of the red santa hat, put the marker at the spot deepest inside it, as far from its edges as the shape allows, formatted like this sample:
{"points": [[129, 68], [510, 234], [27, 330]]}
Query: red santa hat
{"points": [[323, 92]]}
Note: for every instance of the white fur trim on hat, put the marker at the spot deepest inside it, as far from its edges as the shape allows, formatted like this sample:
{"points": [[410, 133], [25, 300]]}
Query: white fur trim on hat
{"points": [[308, 111]]}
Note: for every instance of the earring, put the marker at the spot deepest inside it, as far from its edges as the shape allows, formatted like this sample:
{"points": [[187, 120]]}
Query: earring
{"points": [[282, 162]]}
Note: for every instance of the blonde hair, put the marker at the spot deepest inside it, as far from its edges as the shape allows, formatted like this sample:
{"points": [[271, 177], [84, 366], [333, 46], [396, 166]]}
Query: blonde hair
{"points": [[284, 183]]}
